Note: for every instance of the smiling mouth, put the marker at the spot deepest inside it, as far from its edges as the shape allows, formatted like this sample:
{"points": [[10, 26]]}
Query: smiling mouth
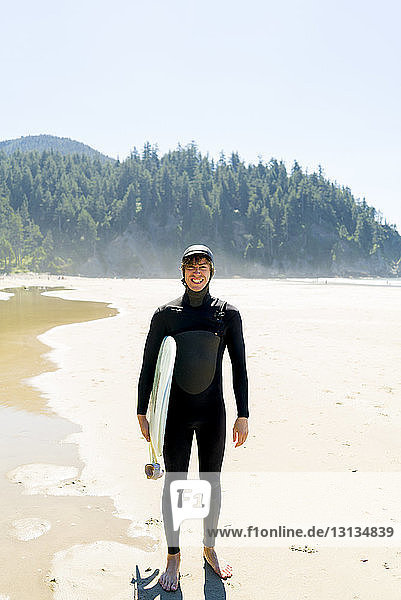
{"points": [[197, 280]]}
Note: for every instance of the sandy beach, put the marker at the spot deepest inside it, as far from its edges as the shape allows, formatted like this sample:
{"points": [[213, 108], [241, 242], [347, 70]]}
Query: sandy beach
{"points": [[325, 397]]}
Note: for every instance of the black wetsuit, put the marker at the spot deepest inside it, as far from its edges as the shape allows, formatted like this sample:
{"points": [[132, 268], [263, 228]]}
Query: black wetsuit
{"points": [[196, 399]]}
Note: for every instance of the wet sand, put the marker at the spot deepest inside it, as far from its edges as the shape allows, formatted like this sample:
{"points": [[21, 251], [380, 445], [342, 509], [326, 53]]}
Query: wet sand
{"points": [[325, 396], [37, 525]]}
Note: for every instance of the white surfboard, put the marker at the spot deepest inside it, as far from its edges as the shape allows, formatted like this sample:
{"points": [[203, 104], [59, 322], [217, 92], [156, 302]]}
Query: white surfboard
{"points": [[160, 395]]}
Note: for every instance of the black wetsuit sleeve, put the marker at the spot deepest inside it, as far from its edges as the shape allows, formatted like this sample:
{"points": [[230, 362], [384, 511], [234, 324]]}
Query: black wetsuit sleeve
{"points": [[157, 331], [236, 349]]}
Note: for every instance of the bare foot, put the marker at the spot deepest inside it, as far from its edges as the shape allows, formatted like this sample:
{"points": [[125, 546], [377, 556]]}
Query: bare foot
{"points": [[169, 579], [220, 567]]}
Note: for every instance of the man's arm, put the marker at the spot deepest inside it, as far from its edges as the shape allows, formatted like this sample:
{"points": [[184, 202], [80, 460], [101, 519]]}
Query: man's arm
{"points": [[236, 350], [157, 331]]}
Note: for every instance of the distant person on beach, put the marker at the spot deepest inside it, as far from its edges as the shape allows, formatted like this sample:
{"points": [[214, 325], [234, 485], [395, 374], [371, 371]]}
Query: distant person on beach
{"points": [[203, 326]]}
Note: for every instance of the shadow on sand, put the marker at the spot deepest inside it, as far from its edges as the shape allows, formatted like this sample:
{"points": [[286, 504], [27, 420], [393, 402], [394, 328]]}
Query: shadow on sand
{"points": [[213, 587]]}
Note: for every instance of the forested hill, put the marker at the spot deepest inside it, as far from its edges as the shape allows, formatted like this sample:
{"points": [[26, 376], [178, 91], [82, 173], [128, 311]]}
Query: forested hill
{"points": [[41, 143], [77, 214]]}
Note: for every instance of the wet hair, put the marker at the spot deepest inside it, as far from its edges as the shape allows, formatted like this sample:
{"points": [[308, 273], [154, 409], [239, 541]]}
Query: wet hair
{"points": [[194, 260]]}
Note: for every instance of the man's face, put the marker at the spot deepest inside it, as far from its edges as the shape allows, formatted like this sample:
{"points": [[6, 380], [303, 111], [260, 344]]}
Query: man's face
{"points": [[197, 273]]}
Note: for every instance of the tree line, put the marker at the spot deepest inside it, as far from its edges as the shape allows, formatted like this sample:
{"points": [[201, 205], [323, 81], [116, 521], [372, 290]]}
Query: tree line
{"points": [[58, 211]]}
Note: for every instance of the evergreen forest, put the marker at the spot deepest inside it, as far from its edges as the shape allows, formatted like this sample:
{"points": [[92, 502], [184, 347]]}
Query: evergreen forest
{"points": [[82, 213]]}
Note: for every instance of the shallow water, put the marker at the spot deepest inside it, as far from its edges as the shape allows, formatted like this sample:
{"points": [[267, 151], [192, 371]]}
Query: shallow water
{"points": [[31, 433], [23, 317]]}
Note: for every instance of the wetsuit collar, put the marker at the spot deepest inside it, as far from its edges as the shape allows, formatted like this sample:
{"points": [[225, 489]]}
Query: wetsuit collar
{"points": [[196, 299]]}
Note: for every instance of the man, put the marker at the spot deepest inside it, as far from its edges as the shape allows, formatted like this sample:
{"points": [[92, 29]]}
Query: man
{"points": [[203, 327]]}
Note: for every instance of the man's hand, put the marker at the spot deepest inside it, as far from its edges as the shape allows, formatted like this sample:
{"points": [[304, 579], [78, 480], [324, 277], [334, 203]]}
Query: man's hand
{"points": [[240, 430], [144, 425]]}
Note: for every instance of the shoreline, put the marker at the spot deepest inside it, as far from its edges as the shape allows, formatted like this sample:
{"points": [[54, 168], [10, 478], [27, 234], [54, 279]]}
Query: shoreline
{"points": [[41, 470]]}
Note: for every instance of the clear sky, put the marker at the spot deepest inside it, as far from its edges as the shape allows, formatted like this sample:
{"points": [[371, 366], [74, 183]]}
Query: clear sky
{"points": [[314, 80]]}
